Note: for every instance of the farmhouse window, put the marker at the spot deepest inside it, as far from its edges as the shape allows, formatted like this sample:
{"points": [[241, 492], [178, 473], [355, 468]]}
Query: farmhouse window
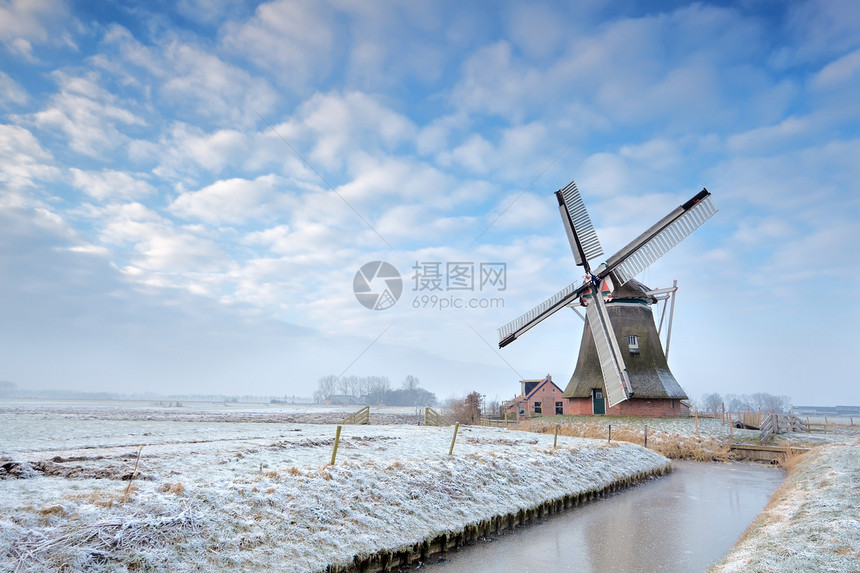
{"points": [[538, 408], [559, 408]]}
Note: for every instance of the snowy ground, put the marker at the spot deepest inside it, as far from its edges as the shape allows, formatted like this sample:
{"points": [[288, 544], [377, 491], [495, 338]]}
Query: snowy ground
{"points": [[812, 522], [251, 495], [169, 410]]}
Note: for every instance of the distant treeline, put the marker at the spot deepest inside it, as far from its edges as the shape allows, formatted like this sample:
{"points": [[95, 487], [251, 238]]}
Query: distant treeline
{"points": [[372, 390], [735, 402], [10, 390]]}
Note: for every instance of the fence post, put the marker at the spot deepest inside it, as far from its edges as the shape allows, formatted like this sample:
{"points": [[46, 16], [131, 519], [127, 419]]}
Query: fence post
{"points": [[724, 413], [732, 425], [336, 442], [454, 439], [646, 435], [609, 440], [696, 414]]}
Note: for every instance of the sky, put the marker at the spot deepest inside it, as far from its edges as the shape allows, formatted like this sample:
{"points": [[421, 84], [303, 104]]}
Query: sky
{"points": [[190, 191]]}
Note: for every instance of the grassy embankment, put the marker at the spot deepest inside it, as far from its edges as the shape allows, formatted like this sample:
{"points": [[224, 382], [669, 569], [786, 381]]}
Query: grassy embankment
{"points": [[811, 522]]}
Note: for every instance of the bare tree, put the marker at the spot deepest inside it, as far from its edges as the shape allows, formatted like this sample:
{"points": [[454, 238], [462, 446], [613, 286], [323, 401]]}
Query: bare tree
{"points": [[377, 386], [712, 402], [410, 383], [493, 407], [325, 388], [465, 410]]}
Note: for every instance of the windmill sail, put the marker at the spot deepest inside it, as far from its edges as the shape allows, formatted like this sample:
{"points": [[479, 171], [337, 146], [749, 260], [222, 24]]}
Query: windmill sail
{"points": [[615, 378], [661, 237], [580, 232], [625, 264], [509, 332]]}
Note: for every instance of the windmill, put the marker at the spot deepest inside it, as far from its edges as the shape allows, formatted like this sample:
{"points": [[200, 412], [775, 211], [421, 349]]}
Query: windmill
{"points": [[600, 282]]}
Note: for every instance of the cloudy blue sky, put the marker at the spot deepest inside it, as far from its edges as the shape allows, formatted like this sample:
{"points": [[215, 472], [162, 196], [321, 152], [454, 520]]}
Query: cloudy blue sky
{"points": [[187, 189]]}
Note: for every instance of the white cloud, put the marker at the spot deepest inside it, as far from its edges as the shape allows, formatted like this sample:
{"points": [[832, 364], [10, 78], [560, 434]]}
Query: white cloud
{"points": [[286, 36], [23, 161], [412, 222], [108, 184], [201, 83], [524, 212], [762, 139], [183, 150], [234, 201], [433, 137], [126, 57], [27, 22], [11, 91], [87, 115], [495, 83], [537, 29], [162, 254], [348, 123], [844, 70], [377, 182], [475, 154], [205, 10], [823, 28]]}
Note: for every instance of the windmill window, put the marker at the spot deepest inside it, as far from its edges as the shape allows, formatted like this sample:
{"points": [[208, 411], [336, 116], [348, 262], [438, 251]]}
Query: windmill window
{"points": [[633, 344]]}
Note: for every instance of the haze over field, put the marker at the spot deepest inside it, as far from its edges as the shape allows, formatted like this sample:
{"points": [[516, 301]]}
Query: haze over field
{"points": [[188, 191]]}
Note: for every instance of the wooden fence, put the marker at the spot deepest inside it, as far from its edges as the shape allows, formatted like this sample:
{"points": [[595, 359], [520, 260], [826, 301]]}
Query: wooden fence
{"points": [[498, 422], [434, 418], [775, 423], [360, 417]]}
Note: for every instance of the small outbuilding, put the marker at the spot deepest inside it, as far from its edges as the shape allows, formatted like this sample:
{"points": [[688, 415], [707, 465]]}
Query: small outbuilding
{"points": [[537, 398]]}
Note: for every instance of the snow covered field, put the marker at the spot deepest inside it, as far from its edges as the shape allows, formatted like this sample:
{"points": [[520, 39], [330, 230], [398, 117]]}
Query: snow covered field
{"points": [[258, 493]]}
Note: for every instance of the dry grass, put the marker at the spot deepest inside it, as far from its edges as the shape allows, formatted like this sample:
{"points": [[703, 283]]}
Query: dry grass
{"points": [[168, 487], [103, 498], [673, 445], [793, 459]]}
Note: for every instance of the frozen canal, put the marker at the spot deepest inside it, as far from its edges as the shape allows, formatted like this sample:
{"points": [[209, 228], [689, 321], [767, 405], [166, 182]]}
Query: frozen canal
{"points": [[683, 522]]}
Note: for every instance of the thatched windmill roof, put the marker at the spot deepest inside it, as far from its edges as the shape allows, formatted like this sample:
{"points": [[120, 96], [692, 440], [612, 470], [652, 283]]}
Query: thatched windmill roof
{"points": [[630, 314]]}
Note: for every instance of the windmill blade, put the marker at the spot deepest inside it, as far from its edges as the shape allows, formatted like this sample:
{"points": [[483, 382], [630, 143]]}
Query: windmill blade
{"points": [[615, 378], [577, 224], [512, 330], [661, 237]]}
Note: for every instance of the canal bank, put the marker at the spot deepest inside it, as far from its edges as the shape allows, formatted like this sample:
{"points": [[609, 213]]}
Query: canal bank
{"points": [[793, 533], [433, 547], [811, 523], [679, 523]]}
